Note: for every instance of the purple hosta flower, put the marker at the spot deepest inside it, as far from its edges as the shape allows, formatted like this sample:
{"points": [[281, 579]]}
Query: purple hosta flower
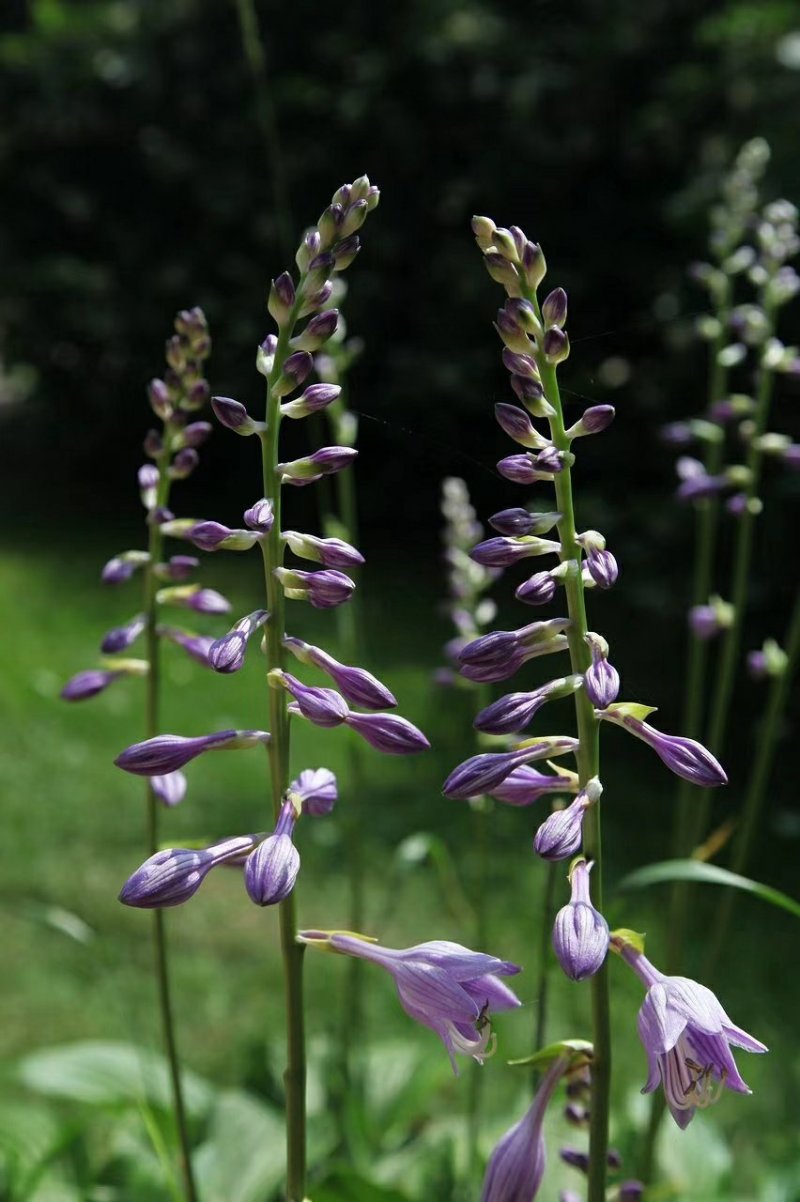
{"points": [[516, 1166], [560, 835], [580, 1160], [517, 425], [314, 791], [148, 484], [518, 522], [538, 589], [88, 684], [213, 536], [502, 552], [234, 416], [227, 653], [170, 789], [595, 419], [316, 397], [525, 785], [580, 933], [313, 467], [260, 516], [271, 870], [600, 563], [687, 1037], [320, 328], [388, 733], [332, 552], [739, 504], [703, 622], [696, 484], [166, 753], [295, 370], [601, 680], [195, 645], [552, 460], [498, 655], [323, 707], [172, 876], [685, 757], [358, 686], [554, 308], [184, 464], [631, 1191], [576, 1114], [483, 773], [520, 469], [515, 711], [122, 567], [122, 637], [159, 398], [178, 567], [520, 365], [201, 600], [194, 435], [442, 985], [324, 590]]}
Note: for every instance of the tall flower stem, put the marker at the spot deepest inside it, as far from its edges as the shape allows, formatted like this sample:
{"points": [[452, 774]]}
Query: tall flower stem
{"points": [[768, 736], [588, 763], [152, 728], [279, 746]]}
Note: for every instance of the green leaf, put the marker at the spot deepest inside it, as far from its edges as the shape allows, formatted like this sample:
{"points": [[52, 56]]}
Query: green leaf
{"points": [[243, 1160], [350, 1185], [110, 1074], [698, 872], [579, 1051]]}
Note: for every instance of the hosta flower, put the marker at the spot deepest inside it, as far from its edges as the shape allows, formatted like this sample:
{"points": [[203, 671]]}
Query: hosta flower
{"points": [[171, 877], [442, 985], [516, 1166], [687, 1037], [314, 790], [270, 871], [166, 753], [580, 933]]}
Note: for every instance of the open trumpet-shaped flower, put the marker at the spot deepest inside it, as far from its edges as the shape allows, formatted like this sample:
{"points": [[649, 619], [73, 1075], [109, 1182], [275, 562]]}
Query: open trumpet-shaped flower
{"points": [[688, 1038], [442, 985]]}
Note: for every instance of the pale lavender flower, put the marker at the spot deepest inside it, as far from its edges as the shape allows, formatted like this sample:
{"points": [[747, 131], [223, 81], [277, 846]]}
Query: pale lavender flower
{"points": [[314, 790], [170, 789], [525, 785], [602, 567], [171, 877], [270, 871], [324, 589], [84, 685], [358, 686], [388, 733], [442, 985], [207, 601], [516, 1166], [166, 753], [687, 1037], [483, 773], [226, 654], [580, 933], [260, 516], [125, 636], [122, 567], [685, 757]]}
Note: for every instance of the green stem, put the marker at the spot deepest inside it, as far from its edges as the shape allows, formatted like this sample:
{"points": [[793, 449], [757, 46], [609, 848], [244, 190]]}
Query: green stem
{"points": [[769, 733], [152, 727], [588, 763], [292, 952]]}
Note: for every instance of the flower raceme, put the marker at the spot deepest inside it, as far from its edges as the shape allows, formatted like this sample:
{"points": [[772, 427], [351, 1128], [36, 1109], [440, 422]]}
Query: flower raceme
{"points": [[440, 984]]}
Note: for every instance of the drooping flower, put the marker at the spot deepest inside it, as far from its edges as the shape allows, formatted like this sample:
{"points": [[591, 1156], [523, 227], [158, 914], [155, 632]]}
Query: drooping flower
{"points": [[170, 789], [270, 871], [483, 773], [442, 985], [358, 686], [226, 654], [166, 753], [315, 791], [687, 1037], [685, 757], [580, 933], [388, 733], [517, 1164], [171, 877]]}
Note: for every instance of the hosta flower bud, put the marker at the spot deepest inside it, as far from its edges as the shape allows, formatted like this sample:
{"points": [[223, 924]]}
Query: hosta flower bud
{"points": [[685, 757], [517, 425], [281, 299], [178, 567], [483, 228], [315, 397], [502, 272], [213, 536], [537, 589], [514, 712], [518, 522], [555, 345], [580, 933], [191, 596], [193, 435], [771, 661], [553, 460], [226, 654], [554, 308], [560, 835], [197, 646], [234, 416], [148, 484], [324, 590], [483, 773], [125, 636], [170, 789], [388, 733], [166, 753], [261, 516], [502, 552], [602, 567], [706, 621], [314, 791], [184, 464], [320, 328], [512, 333], [601, 680], [308, 249], [517, 1163], [159, 397], [534, 267], [525, 785], [323, 707], [88, 684], [196, 396], [323, 462], [265, 355], [524, 366], [519, 469], [122, 567], [271, 870], [631, 1191], [357, 685], [295, 369], [171, 877], [332, 552], [595, 419]]}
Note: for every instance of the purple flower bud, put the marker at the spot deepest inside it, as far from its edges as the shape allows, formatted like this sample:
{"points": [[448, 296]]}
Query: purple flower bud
{"points": [[483, 773], [519, 469], [516, 1166], [295, 369], [537, 589], [503, 552], [518, 522], [517, 425], [123, 636], [738, 504], [260, 516], [580, 933], [213, 536], [602, 568], [514, 712], [555, 345], [171, 877], [575, 1159], [595, 419], [319, 329], [281, 298], [685, 757], [389, 733], [166, 753], [233, 415], [631, 1191], [496, 656], [560, 835], [88, 684], [601, 680], [554, 308], [703, 622], [122, 567], [196, 396], [179, 567], [323, 707], [208, 601], [315, 791], [791, 456], [195, 645], [520, 365], [534, 267], [696, 484], [148, 484], [357, 685], [184, 464], [552, 460], [576, 1115], [525, 785], [757, 665], [153, 444], [526, 389], [324, 590], [159, 398], [271, 870], [196, 433], [332, 552], [170, 789], [323, 462], [677, 434], [315, 397], [227, 653]]}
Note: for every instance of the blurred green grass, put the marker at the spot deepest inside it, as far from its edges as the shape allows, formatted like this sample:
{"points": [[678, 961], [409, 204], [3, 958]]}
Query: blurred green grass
{"points": [[74, 829]]}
